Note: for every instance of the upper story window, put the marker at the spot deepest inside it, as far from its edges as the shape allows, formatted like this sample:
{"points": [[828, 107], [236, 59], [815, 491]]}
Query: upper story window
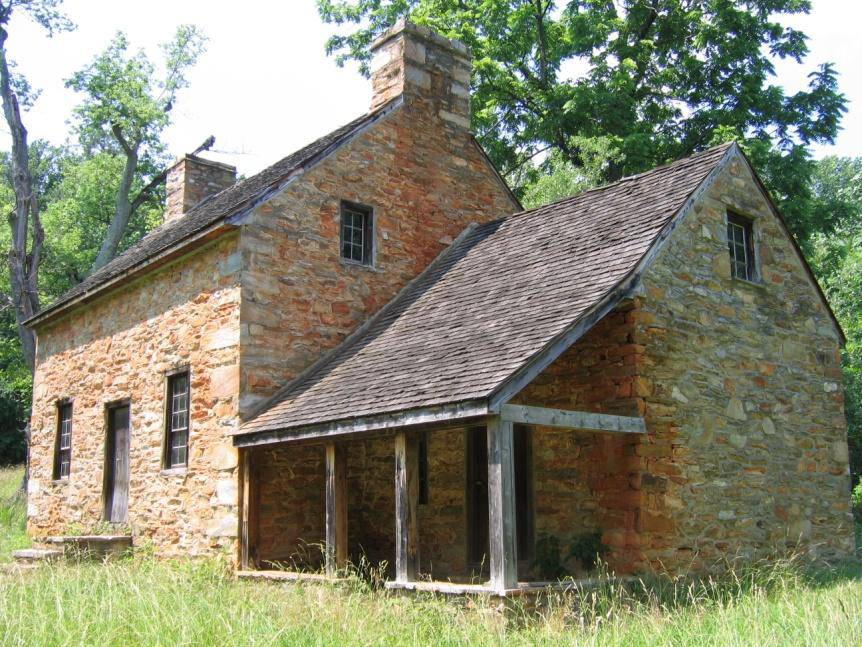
{"points": [[177, 433], [740, 243], [357, 233], [63, 445]]}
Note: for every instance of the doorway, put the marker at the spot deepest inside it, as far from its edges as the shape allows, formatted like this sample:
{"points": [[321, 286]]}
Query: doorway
{"points": [[477, 495], [117, 465]]}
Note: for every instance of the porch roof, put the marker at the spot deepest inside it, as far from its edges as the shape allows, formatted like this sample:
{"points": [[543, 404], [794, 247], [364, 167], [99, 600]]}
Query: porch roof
{"points": [[502, 299]]}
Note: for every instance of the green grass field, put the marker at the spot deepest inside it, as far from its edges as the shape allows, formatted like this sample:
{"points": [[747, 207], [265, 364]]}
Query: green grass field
{"points": [[142, 601]]}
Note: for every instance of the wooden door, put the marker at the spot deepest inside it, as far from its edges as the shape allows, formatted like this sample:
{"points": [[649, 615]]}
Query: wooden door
{"points": [[117, 467]]}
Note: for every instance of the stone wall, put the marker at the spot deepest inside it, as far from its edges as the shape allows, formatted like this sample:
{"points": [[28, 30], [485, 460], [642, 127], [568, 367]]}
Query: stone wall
{"points": [[587, 482], [290, 496], [120, 347], [291, 492], [747, 434]]}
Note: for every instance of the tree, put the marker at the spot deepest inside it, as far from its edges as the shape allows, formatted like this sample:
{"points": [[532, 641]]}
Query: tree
{"points": [[124, 112], [836, 257], [658, 79], [561, 179], [24, 219]]}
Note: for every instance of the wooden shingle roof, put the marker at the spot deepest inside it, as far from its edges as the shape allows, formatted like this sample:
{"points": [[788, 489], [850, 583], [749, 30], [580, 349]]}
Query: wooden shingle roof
{"points": [[491, 302]]}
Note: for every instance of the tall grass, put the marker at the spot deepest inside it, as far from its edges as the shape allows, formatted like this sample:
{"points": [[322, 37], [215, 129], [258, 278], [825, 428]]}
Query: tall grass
{"points": [[13, 513], [149, 602], [143, 601]]}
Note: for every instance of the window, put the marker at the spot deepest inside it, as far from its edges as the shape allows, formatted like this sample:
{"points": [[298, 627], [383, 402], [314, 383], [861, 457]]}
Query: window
{"points": [[356, 233], [63, 446], [177, 442], [740, 243]]}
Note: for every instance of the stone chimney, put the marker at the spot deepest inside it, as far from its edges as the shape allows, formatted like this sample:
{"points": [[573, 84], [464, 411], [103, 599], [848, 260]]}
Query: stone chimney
{"points": [[425, 68], [190, 180]]}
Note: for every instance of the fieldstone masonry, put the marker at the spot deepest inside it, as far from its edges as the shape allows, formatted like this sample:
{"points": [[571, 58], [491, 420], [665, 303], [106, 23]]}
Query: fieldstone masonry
{"points": [[745, 403], [425, 179], [120, 348]]}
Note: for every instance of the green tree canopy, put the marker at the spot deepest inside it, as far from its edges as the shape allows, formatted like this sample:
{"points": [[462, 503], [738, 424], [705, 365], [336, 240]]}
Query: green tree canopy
{"points": [[657, 79], [125, 108]]}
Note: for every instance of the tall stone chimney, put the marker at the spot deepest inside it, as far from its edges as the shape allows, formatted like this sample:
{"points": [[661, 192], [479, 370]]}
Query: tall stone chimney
{"points": [[425, 68], [190, 180]]}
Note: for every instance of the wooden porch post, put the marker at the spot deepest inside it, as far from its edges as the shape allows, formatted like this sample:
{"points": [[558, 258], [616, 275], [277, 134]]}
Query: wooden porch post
{"points": [[406, 493], [247, 524], [501, 505], [336, 508]]}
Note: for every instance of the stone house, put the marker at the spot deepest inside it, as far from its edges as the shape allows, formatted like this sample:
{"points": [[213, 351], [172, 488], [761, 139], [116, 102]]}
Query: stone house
{"points": [[369, 349]]}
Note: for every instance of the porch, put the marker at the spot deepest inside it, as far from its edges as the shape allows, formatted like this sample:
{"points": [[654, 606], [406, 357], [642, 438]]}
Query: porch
{"points": [[480, 503]]}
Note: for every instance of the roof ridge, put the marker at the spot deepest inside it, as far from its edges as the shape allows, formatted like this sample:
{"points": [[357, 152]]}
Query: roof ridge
{"points": [[627, 178]]}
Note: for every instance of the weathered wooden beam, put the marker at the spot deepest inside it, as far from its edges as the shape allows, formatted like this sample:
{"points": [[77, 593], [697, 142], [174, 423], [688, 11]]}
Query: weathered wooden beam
{"points": [[406, 498], [502, 529], [244, 501], [527, 415], [336, 508], [329, 431]]}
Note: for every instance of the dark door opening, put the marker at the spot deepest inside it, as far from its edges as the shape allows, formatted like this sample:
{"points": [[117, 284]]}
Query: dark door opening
{"points": [[117, 465], [477, 495]]}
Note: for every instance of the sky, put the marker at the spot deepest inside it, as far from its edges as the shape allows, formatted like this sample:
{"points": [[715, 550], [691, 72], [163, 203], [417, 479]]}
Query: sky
{"points": [[265, 86]]}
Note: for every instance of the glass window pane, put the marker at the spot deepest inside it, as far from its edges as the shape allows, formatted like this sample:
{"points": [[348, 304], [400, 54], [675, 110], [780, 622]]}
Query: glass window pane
{"points": [[178, 420]]}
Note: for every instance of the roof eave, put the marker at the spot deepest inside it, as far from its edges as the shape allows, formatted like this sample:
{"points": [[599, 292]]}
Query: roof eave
{"points": [[431, 415]]}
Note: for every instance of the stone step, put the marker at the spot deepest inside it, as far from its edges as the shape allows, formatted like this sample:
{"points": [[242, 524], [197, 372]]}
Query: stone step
{"points": [[33, 555], [94, 546]]}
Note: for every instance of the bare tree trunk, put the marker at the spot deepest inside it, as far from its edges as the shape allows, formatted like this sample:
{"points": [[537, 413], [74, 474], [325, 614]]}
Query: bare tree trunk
{"points": [[123, 209], [22, 490], [23, 266]]}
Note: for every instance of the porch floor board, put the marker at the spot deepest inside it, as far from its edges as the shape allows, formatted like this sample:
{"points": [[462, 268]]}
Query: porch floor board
{"points": [[523, 588], [445, 588], [288, 576]]}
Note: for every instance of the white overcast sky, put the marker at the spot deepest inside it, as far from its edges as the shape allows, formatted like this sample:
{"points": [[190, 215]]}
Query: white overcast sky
{"points": [[265, 86]]}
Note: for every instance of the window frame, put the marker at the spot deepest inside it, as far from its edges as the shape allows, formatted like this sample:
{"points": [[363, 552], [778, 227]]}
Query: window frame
{"points": [[171, 377], [367, 229], [59, 450], [736, 222]]}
